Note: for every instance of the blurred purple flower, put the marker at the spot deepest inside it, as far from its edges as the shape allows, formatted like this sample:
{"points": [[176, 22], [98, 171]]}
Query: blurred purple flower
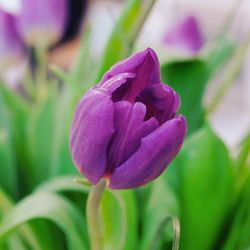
{"points": [[41, 22], [11, 46], [125, 129], [185, 36]]}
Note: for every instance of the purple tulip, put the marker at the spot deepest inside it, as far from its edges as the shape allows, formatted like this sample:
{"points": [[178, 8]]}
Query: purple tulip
{"points": [[185, 36], [11, 47], [125, 129], [41, 22]]}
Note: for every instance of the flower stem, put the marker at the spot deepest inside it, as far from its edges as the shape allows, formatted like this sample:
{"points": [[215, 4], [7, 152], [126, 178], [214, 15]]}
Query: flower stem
{"points": [[93, 221], [41, 73]]}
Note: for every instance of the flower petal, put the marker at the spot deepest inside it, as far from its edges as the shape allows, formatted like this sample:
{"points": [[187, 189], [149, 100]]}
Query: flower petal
{"points": [[42, 22], [116, 82], [157, 150], [185, 36], [11, 46], [92, 129], [161, 100], [144, 64], [130, 128]]}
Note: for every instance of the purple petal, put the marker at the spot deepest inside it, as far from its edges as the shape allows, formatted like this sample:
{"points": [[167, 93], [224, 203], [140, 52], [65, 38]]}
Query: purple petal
{"points": [[11, 47], [91, 132], [186, 36], [156, 151], [145, 65], [144, 68], [130, 128], [115, 82], [41, 22], [162, 102]]}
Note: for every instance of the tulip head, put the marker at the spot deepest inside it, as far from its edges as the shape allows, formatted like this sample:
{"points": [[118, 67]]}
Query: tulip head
{"points": [[41, 22], [11, 47], [186, 36], [125, 129]]}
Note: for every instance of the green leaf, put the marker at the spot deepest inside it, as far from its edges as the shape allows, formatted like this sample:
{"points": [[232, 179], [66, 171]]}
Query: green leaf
{"points": [[244, 152], [206, 189], [62, 184], [238, 237], [219, 54], [60, 157], [83, 72], [51, 207], [39, 140], [13, 242], [119, 220], [188, 78], [48, 132], [128, 197], [18, 117], [162, 204], [241, 162], [126, 31], [25, 232], [8, 176]]}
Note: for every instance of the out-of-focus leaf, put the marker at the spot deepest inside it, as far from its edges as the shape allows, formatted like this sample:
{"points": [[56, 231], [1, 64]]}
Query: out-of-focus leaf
{"points": [[162, 204], [60, 157], [62, 184], [18, 115], [13, 242], [48, 132], [238, 237], [39, 139], [128, 197], [188, 78], [25, 233], [244, 153], [244, 239], [126, 31], [232, 72], [219, 54], [51, 207], [119, 220], [83, 72], [8, 176], [241, 163], [206, 190]]}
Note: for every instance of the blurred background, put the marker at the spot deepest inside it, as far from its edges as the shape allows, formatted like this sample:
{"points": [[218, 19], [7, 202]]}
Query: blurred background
{"points": [[231, 118], [53, 51]]}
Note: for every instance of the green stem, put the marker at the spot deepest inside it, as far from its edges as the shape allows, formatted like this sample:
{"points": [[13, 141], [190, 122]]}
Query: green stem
{"points": [[93, 221], [41, 73]]}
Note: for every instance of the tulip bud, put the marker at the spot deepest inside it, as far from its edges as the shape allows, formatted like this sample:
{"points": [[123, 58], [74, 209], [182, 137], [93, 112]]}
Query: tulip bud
{"points": [[186, 36], [41, 22], [11, 47], [125, 129]]}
